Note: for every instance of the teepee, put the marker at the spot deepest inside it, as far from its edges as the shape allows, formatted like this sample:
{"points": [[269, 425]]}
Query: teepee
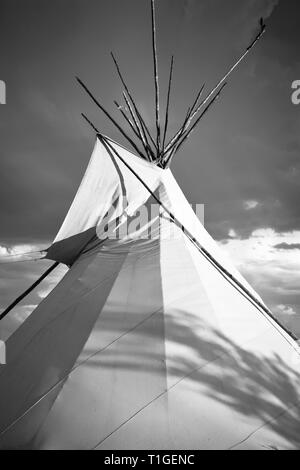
{"points": [[152, 340]]}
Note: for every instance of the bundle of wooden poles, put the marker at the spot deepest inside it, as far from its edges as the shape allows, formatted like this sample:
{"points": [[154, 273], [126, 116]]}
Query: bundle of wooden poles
{"points": [[155, 149]]}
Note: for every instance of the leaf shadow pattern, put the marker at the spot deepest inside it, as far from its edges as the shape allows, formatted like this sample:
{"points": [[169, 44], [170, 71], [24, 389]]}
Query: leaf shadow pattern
{"points": [[134, 358], [260, 388]]}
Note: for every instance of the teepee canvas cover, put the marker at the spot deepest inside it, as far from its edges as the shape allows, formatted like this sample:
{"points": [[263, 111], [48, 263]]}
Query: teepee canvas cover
{"points": [[145, 344]]}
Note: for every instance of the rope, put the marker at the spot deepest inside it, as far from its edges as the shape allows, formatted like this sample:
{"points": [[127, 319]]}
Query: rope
{"points": [[22, 260], [11, 255]]}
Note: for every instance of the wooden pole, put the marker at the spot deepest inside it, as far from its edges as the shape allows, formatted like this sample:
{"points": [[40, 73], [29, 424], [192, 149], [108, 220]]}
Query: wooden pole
{"points": [[90, 123], [179, 133], [188, 132], [119, 107], [229, 72], [136, 118], [169, 154], [154, 50], [146, 129], [168, 103], [132, 143], [197, 98], [222, 80], [140, 132], [27, 291], [130, 123], [178, 143], [171, 150]]}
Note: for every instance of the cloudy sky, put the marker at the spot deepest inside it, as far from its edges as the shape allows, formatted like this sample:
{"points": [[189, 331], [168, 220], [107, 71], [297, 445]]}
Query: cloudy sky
{"points": [[242, 162]]}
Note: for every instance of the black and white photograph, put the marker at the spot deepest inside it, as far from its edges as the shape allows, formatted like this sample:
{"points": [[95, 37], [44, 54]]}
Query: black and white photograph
{"points": [[149, 227]]}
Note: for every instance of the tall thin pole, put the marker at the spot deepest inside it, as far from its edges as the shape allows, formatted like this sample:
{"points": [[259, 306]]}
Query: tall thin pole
{"points": [[154, 50], [197, 99], [136, 119], [183, 128], [139, 127], [169, 154], [27, 291], [168, 103], [130, 123], [146, 129], [221, 81], [190, 130], [110, 117], [185, 133]]}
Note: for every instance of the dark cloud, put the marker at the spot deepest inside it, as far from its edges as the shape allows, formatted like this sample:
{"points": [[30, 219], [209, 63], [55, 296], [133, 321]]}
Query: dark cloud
{"points": [[287, 246]]}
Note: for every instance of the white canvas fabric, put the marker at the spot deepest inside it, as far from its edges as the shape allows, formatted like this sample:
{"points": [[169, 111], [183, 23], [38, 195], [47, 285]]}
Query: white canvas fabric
{"points": [[144, 344]]}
